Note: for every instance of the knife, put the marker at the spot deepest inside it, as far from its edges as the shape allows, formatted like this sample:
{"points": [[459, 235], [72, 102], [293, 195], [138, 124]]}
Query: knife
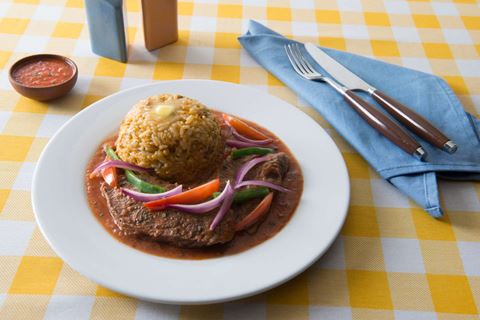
{"points": [[374, 117], [399, 111]]}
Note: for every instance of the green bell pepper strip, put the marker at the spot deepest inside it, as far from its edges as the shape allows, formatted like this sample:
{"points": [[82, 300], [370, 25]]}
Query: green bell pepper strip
{"points": [[138, 183], [247, 194], [253, 150]]}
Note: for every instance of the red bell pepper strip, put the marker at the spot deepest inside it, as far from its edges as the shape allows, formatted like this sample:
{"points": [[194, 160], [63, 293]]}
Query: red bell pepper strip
{"points": [[256, 213], [194, 195], [110, 176], [244, 128]]}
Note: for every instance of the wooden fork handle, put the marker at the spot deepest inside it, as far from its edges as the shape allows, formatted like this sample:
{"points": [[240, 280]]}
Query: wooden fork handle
{"points": [[411, 120], [384, 125]]}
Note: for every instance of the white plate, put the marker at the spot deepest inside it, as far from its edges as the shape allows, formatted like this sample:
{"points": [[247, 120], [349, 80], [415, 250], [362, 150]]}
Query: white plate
{"points": [[62, 212]]}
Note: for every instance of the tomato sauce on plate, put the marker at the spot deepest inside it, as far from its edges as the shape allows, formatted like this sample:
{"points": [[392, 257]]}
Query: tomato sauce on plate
{"points": [[43, 73]]}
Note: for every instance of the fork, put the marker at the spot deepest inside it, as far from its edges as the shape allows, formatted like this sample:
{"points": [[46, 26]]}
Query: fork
{"points": [[369, 113]]}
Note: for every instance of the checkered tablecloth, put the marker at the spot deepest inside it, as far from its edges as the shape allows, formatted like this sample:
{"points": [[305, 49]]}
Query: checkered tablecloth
{"points": [[391, 260]]}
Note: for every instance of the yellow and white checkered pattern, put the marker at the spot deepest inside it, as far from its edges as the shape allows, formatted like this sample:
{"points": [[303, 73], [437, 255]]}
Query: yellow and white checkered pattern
{"points": [[391, 261]]}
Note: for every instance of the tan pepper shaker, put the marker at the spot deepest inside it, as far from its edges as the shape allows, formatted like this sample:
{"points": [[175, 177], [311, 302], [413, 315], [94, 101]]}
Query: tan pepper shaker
{"points": [[160, 23]]}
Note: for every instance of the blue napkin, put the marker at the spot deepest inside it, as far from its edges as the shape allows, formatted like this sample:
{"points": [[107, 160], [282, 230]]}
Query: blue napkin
{"points": [[428, 95]]}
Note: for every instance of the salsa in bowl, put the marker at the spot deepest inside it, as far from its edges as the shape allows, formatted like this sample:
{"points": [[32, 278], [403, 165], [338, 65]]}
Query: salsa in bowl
{"points": [[43, 77]]}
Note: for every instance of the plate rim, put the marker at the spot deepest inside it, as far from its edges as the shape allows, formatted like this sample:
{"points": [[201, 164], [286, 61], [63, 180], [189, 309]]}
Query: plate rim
{"points": [[345, 182]]}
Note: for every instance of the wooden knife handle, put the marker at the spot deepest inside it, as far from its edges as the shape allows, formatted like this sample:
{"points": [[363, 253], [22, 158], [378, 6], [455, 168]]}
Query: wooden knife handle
{"points": [[384, 125], [411, 120]]}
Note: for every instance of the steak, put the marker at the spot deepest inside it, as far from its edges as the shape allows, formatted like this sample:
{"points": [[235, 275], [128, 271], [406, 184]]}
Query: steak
{"points": [[184, 229]]}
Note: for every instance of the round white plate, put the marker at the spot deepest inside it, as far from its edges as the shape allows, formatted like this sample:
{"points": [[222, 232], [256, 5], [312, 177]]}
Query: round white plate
{"points": [[64, 217]]}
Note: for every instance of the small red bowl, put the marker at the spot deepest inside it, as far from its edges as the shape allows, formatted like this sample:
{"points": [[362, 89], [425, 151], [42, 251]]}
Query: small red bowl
{"points": [[43, 93]]}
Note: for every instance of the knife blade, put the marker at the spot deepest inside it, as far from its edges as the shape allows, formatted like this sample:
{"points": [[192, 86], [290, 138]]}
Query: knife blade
{"points": [[335, 69], [402, 113]]}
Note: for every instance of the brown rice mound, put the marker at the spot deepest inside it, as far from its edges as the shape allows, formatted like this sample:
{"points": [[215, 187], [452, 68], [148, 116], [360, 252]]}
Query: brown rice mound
{"points": [[180, 147]]}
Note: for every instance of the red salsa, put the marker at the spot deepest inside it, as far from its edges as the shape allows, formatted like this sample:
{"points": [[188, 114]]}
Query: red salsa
{"points": [[43, 73]]}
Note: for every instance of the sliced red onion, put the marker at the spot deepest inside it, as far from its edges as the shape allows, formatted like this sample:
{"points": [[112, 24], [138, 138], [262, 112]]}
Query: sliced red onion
{"points": [[242, 172], [118, 164], [240, 137], [227, 203], [239, 144], [205, 206], [263, 184], [140, 196]]}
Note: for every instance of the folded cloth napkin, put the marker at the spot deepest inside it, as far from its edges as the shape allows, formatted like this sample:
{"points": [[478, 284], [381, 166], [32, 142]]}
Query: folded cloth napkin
{"points": [[428, 95]]}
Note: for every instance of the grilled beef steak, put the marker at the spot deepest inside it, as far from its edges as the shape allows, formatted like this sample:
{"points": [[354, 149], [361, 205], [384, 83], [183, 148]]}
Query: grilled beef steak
{"points": [[184, 229]]}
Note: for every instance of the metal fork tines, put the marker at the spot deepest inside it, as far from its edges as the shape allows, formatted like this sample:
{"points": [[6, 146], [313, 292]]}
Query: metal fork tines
{"points": [[300, 64], [305, 69], [369, 113]]}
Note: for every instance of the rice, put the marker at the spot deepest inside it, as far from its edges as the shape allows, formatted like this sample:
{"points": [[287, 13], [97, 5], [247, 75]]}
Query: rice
{"points": [[179, 146]]}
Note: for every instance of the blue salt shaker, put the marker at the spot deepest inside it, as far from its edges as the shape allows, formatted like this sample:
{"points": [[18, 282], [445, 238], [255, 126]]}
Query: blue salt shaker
{"points": [[107, 24]]}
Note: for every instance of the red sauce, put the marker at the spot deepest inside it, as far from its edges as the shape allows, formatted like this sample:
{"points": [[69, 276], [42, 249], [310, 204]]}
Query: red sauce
{"points": [[43, 73]]}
